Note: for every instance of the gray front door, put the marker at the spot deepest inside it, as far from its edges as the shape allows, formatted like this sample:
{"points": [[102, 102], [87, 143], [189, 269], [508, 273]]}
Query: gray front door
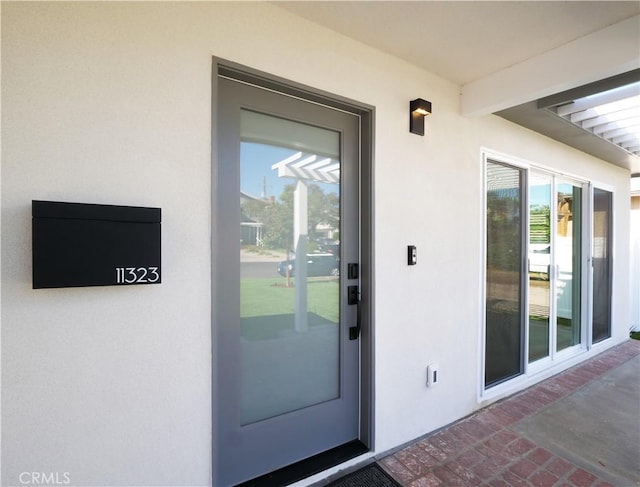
{"points": [[286, 228]]}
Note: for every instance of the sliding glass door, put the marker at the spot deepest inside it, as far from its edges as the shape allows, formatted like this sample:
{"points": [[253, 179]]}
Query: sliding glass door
{"points": [[555, 264], [535, 272], [505, 196], [602, 264], [540, 210], [568, 261]]}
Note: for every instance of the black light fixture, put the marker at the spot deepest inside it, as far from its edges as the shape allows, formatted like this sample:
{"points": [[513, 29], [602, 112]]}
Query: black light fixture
{"points": [[419, 109]]}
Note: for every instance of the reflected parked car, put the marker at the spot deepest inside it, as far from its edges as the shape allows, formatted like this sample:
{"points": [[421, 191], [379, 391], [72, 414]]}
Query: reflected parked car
{"points": [[332, 248], [539, 260], [317, 265], [328, 246]]}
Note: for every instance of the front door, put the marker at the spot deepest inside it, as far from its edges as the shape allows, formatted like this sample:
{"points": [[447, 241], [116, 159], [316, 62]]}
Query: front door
{"points": [[286, 249]]}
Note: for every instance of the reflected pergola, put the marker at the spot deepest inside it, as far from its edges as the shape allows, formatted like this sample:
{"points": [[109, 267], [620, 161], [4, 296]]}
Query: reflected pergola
{"points": [[304, 168]]}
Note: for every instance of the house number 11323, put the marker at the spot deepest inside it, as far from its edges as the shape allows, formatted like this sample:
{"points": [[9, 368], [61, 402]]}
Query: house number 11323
{"points": [[137, 275]]}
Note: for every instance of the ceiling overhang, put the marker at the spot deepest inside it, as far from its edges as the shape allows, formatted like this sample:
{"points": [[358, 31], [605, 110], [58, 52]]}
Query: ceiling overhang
{"points": [[524, 93], [540, 116], [593, 57]]}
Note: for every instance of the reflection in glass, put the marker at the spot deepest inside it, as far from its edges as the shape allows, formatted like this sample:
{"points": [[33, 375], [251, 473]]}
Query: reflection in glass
{"points": [[504, 313], [289, 266], [602, 225], [539, 266], [568, 254]]}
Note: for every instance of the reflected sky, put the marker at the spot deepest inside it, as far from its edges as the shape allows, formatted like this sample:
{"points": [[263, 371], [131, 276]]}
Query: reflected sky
{"points": [[256, 176]]}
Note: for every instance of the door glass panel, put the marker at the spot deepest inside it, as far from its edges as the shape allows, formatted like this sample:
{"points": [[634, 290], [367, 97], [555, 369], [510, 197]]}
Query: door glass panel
{"points": [[568, 255], [602, 244], [539, 266], [504, 313], [289, 266]]}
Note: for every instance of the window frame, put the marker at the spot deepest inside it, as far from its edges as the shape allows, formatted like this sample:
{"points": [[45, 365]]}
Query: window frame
{"points": [[532, 372]]}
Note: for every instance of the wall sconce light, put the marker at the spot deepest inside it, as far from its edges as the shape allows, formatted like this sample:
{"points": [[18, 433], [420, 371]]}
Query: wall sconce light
{"points": [[419, 109]]}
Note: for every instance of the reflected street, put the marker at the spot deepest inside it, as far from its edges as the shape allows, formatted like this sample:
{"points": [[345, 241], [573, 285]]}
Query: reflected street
{"points": [[259, 270]]}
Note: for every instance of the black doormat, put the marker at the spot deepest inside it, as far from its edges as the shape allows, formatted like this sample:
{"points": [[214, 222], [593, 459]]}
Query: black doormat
{"points": [[310, 466], [369, 476]]}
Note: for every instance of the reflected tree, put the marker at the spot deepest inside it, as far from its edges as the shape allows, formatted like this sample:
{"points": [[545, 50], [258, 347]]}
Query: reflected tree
{"points": [[277, 215]]}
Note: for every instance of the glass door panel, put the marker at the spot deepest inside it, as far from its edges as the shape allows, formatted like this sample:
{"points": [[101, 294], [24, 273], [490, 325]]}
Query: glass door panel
{"points": [[539, 266], [504, 303], [602, 265], [568, 260], [289, 266], [554, 271]]}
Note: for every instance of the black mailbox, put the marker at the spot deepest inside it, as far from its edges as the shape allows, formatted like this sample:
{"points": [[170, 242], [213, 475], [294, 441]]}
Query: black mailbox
{"points": [[77, 244]]}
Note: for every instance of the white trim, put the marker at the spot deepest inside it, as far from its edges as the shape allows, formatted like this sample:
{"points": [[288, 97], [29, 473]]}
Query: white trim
{"points": [[553, 262], [604, 186], [522, 382], [482, 303], [527, 239], [587, 305], [504, 158]]}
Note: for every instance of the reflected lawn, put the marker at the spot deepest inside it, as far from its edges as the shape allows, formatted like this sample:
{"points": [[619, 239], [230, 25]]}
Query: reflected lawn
{"points": [[262, 298]]}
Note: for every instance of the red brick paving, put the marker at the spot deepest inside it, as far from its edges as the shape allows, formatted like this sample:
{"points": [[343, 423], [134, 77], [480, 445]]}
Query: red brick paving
{"points": [[559, 466], [540, 456], [542, 478], [582, 478], [483, 450]]}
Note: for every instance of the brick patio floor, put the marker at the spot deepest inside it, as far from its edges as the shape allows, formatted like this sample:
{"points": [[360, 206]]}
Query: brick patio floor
{"points": [[484, 449]]}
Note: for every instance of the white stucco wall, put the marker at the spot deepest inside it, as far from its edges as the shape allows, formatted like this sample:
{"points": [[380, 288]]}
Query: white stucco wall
{"points": [[111, 103]]}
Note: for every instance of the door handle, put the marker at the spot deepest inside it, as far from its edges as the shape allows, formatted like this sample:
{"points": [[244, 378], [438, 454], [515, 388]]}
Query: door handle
{"points": [[354, 298]]}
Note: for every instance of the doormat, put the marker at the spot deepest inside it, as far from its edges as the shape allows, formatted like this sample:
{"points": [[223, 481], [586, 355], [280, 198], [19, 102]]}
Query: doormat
{"points": [[369, 476]]}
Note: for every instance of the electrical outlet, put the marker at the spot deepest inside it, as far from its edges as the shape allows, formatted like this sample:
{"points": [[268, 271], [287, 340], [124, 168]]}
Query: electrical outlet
{"points": [[433, 375]]}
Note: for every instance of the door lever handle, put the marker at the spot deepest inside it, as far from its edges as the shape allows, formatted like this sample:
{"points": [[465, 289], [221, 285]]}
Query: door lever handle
{"points": [[353, 298]]}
